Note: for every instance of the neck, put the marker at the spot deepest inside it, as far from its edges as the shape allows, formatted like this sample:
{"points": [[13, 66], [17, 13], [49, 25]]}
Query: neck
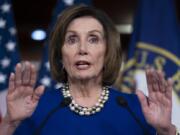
{"points": [[85, 93]]}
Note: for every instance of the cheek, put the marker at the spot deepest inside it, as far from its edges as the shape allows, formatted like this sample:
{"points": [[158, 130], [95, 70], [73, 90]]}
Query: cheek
{"points": [[68, 65], [99, 59], [67, 59]]}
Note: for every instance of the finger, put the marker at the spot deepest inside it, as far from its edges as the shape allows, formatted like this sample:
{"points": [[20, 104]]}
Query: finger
{"points": [[169, 89], [33, 75], [155, 80], [11, 83], [161, 81], [143, 100], [26, 74], [149, 81], [38, 92], [18, 74]]}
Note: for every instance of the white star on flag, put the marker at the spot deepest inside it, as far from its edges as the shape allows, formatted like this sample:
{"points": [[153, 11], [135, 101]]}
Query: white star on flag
{"points": [[2, 78], [9, 53], [47, 65], [12, 31], [46, 81], [2, 23], [5, 7], [5, 62], [58, 85], [10, 46], [68, 2]]}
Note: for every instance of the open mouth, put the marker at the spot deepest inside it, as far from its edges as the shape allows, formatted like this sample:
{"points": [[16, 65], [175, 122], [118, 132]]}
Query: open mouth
{"points": [[82, 64]]}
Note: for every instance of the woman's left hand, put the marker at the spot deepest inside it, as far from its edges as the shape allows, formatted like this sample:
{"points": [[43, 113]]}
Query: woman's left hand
{"points": [[157, 107]]}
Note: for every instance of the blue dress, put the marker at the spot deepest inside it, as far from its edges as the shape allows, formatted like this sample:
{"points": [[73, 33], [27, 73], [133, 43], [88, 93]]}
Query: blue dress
{"points": [[111, 120]]}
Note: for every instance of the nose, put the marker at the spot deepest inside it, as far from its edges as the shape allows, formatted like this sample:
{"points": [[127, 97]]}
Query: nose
{"points": [[83, 48]]}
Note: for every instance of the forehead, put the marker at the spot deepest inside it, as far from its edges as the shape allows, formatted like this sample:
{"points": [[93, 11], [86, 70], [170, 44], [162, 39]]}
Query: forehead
{"points": [[85, 23]]}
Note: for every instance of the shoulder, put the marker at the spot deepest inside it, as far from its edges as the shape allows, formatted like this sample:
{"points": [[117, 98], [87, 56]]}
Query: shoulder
{"points": [[54, 94], [50, 99], [130, 98], [133, 104]]}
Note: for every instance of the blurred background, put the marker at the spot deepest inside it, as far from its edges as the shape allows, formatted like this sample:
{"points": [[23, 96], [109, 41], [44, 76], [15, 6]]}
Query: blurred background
{"points": [[36, 14]]}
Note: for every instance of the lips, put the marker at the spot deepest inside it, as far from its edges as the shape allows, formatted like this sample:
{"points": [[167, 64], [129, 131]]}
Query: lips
{"points": [[82, 65]]}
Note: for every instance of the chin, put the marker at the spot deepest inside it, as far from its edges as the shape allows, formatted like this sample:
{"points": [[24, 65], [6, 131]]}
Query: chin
{"points": [[85, 77], [88, 75]]}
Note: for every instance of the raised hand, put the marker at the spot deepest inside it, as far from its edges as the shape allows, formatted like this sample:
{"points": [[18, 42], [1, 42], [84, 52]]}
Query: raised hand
{"points": [[157, 107], [22, 98]]}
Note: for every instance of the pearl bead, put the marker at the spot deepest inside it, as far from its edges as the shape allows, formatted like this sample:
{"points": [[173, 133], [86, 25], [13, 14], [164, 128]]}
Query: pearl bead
{"points": [[86, 110], [72, 108], [87, 113], [81, 113], [101, 105], [105, 97]]}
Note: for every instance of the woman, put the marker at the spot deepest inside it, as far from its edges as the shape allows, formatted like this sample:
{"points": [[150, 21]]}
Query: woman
{"points": [[85, 56]]}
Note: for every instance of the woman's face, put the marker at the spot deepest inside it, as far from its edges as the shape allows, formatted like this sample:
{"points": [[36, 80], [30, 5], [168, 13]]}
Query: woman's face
{"points": [[84, 49]]}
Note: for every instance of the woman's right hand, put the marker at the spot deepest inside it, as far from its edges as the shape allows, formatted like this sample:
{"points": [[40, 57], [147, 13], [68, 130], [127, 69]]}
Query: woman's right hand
{"points": [[22, 98]]}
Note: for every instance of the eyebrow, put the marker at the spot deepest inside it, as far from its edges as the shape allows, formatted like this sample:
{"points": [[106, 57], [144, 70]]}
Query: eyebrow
{"points": [[92, 31], [101, 33]]}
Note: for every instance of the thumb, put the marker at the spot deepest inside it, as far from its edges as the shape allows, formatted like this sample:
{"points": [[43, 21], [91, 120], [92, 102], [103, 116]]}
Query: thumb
{"points": [[38, 92], [142, 99]]}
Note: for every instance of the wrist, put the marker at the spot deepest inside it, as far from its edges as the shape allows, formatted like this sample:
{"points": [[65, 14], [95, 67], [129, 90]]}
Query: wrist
{"points": [[171, 130], [10, 123], [7, 126]]}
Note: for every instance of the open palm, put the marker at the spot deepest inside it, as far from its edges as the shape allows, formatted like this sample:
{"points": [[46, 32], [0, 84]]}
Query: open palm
{"points": [[157, 107], [22, 98]]}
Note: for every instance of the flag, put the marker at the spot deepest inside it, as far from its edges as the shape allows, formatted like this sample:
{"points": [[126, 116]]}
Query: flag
{"points": [[156, 42], [9, 55], [0, 117], [44, 76]]}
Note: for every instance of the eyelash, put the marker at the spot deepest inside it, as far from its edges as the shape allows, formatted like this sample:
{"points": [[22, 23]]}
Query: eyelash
{"points": [[72, 39], [93, 39]]}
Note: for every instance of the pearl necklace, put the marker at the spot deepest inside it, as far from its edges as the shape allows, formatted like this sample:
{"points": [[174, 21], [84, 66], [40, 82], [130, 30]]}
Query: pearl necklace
{"points": [[86, 110]]}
